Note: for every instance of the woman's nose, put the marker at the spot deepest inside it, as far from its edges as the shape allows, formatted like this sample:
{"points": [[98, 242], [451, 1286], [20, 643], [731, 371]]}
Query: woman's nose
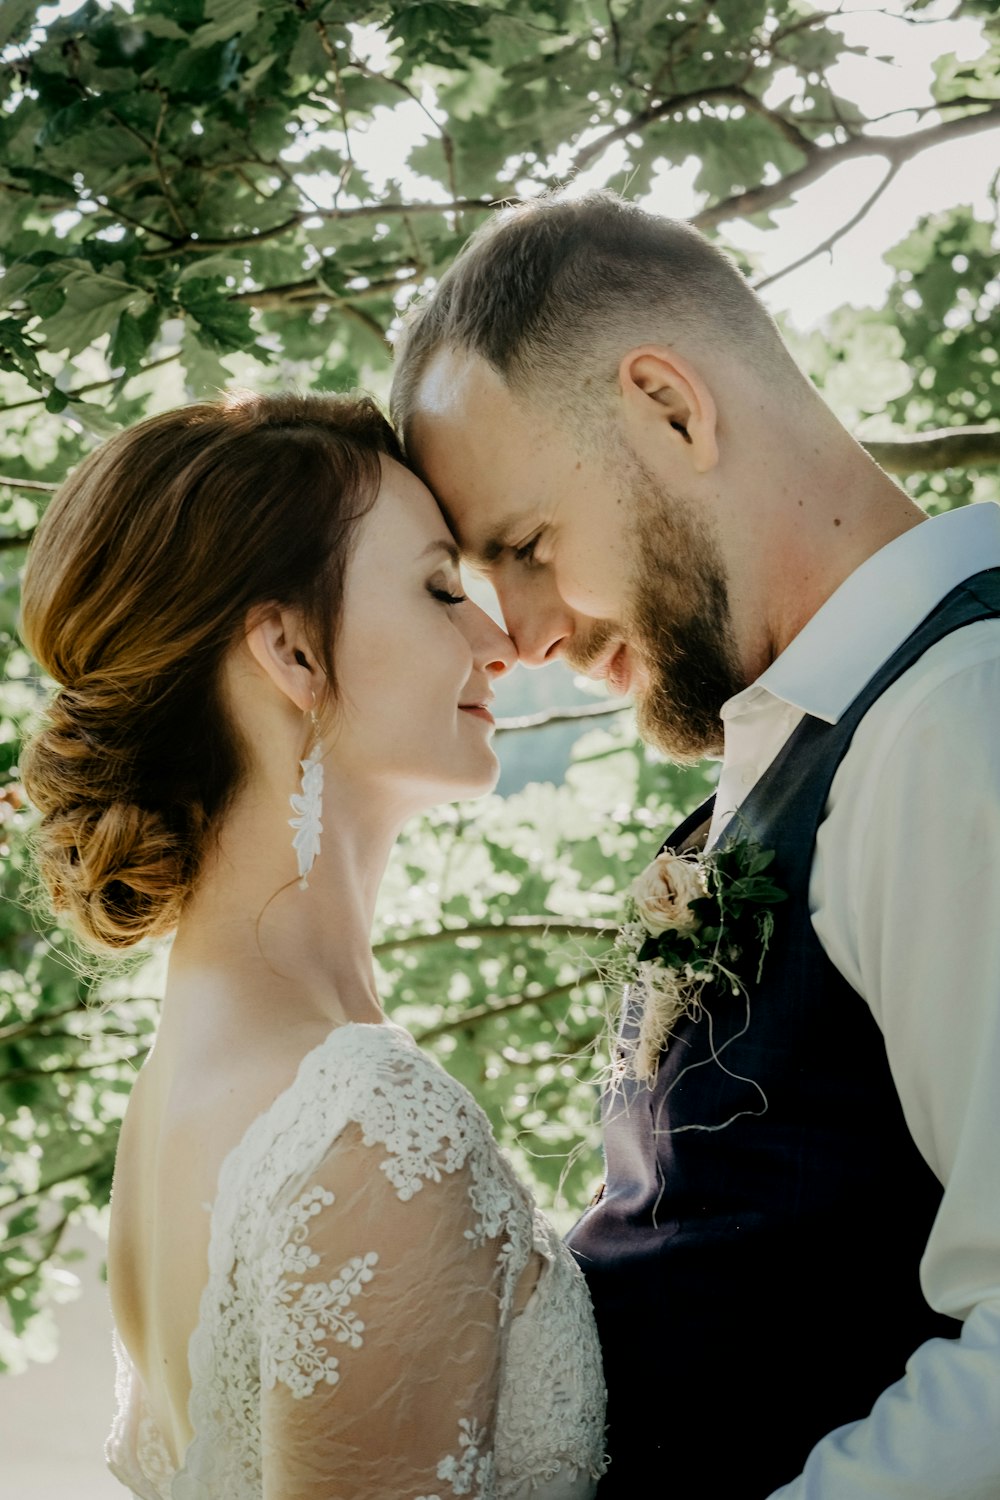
{"points": [[493, 648]]}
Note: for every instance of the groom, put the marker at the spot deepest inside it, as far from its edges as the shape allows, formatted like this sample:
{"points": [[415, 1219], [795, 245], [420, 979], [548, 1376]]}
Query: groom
{"points": [[795, 1259]]}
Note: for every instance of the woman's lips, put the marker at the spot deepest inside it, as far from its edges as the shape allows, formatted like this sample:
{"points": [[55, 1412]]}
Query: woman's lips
{"points": [[478, 711]]}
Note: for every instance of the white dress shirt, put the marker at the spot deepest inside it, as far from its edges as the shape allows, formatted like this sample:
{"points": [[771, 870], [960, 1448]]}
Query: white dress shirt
{"points": [[905, 898]]}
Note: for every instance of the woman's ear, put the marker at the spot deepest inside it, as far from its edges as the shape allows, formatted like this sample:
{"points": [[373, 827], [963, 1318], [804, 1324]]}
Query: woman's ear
{"points": [[277, 642], [664, 389]]}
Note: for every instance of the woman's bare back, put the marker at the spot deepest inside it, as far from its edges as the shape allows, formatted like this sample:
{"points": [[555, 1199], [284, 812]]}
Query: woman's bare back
{"points": [[187, 1110]]}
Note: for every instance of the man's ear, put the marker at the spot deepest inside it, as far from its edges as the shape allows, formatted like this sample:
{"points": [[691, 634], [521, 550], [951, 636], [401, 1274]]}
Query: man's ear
{"points": [[278, 644], [664, 389]]}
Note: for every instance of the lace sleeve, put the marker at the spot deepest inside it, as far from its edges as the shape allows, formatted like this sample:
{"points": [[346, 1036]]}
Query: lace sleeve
{"points": [[382, 1320]]}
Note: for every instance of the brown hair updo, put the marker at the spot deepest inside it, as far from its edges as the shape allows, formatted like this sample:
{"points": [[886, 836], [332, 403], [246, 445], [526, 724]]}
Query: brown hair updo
{"points": [[138, 582]]}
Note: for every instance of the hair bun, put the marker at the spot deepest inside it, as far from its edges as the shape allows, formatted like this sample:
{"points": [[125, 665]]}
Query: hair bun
{"points": [[117, 869]]}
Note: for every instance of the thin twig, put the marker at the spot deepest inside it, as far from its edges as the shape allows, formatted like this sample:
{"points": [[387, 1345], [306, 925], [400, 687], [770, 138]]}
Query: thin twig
{"points": [[447, 141], [338, 83], [831, 239], [368, 323]]}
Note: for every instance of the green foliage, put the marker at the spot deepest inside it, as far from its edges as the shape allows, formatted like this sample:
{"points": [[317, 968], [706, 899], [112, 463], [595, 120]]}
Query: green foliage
{"points": [[528, 889], [929, 358], [187, 202]]}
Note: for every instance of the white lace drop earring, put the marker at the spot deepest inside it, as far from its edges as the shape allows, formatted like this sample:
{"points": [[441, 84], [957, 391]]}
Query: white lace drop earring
{"points": [[307, 803]]}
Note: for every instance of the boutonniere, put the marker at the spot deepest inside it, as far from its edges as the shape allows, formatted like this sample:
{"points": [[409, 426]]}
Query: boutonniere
{"points": [[692, 921]]}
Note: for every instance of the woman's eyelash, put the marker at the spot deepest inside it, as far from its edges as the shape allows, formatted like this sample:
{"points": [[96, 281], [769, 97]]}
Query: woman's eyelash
{"points": [[447, 598], [527, 552]]}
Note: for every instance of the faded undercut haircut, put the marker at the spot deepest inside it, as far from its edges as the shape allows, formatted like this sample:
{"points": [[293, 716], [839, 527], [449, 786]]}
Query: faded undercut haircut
{"points": [[552, 293]]}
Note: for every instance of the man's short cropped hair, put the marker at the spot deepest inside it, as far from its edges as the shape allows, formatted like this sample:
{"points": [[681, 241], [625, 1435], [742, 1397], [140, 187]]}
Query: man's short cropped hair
{"points": [[553, 292]]}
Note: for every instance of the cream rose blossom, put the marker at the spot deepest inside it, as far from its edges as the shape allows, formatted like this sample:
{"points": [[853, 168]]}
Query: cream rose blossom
{"points": [[663, 894], [669, 958]]}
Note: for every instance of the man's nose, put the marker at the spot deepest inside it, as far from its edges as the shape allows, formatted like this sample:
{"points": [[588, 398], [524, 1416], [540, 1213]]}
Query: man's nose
{"points": [[537, 620]]}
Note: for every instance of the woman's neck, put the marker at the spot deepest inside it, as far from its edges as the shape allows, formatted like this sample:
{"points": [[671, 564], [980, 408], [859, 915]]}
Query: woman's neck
{"points": [[255, 951]]}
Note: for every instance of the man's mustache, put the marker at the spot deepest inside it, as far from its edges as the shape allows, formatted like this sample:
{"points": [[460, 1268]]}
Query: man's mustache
{"points": [[583, 655]]}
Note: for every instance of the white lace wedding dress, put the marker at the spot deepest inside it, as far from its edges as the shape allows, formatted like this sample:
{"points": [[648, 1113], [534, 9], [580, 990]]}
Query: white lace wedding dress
{"points": [[358, 1337]]}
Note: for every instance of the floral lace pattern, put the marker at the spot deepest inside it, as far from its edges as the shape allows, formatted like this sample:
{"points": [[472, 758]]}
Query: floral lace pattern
{"points": [[264, 1322], [472, 1465], [300, 1316], [432, 1127]]}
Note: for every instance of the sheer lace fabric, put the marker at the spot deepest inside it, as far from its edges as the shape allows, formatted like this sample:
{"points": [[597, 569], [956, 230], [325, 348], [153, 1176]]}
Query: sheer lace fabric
{"points": [[359, 1333]]}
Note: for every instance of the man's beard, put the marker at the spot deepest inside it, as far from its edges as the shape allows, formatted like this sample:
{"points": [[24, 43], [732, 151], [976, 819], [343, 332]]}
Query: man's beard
{"points": [[678, 624]]}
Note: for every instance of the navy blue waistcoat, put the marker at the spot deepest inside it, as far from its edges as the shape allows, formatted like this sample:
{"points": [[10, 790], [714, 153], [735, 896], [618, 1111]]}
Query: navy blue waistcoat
{"points": [[753, 1258]]}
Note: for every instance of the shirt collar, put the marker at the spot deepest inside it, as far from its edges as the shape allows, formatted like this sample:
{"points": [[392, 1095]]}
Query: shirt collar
{"points": [[842, 646]]}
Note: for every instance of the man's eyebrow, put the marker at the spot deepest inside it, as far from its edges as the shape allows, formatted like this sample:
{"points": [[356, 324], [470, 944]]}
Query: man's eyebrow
{"points": [[497, 541], [449, 548]]}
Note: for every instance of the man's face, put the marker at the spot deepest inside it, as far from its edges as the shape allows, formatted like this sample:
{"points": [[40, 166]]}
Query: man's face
{"points": [[591, 559]]}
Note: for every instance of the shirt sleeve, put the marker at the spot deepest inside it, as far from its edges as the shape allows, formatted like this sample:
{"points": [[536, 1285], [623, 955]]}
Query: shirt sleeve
{"points": [[905, 894], [381, 1334]]}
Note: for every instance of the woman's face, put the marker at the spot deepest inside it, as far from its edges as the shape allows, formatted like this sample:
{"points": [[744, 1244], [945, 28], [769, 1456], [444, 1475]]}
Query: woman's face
{"points": [[415, 659]]}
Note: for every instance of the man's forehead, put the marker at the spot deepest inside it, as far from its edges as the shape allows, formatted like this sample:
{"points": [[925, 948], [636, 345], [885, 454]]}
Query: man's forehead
{"points": [[472, 444], [452, 380]]}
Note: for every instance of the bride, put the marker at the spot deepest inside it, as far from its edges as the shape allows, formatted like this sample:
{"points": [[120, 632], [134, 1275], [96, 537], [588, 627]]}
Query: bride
{"points": [[326, 1282]]}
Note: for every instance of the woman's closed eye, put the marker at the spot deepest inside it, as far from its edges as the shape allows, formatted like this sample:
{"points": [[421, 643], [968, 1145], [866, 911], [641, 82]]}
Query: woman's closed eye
{"points": [[445, 596]]}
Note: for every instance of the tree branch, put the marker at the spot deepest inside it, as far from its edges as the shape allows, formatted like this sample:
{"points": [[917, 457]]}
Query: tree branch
{"points": [[497, 1006], [831, 239], [563, 715], [360, 211], [311, 291], [154, 151], [945, 448], [614, 31], [370, 324], [447, 142], [679, 49], [67, 1175], [513, 927], [962, 101], [50, 1239], [41, 485], [37, 1023], [722, 94], [95, 385], [895, 149], [19, 1075]]}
